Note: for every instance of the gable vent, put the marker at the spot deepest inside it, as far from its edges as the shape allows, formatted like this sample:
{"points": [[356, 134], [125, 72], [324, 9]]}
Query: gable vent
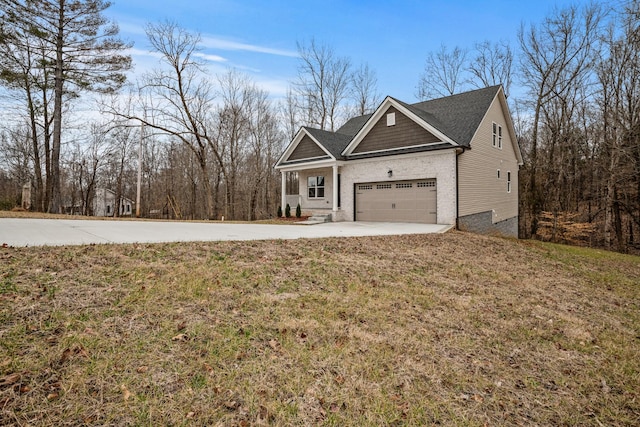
{"points": [[391, 119]]}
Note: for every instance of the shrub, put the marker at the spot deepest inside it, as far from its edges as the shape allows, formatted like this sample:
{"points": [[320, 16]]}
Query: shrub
{"points": [[298, 211], [279, 211], [287, 211]]}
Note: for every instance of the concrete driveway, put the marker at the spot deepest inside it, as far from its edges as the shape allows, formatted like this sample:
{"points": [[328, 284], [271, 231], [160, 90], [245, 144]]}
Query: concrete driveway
{"points": [[56, 232]]}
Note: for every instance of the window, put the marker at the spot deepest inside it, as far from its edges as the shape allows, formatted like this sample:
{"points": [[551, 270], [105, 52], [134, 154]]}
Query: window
{"points": [[365, 187], [498, 173], [391, 119], [383, 186], [404, 185], [496, 140], [316, 187], [508, 182]]}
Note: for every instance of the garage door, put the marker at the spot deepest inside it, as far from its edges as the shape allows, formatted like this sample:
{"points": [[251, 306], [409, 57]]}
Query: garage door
{"points": [[398, 201]]}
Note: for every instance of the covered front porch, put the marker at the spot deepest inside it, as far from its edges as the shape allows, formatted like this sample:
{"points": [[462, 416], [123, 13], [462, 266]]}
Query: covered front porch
{"points": [[317, 189]]}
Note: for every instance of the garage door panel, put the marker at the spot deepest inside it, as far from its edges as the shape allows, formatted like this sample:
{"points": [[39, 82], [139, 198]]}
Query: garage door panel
{"points": [[401, 201]]}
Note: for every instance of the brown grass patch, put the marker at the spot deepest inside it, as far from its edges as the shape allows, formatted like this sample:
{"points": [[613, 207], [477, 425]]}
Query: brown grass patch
{"points": [[453, 329]]}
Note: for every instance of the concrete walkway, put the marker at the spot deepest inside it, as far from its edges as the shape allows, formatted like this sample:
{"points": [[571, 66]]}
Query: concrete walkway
{"points": [[56, 232]]}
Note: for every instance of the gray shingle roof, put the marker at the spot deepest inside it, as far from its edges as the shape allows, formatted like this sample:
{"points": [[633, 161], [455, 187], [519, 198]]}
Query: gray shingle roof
{"points": [[353, 126], [457, 116], [334, 142]]}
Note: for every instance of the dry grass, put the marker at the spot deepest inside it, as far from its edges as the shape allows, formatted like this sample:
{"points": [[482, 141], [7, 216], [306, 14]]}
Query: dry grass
{"points": [[454, 329], [42, 215]]}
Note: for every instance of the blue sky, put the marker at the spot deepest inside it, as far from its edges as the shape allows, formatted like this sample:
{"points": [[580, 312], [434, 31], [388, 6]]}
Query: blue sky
{"points": [[259, 37]]}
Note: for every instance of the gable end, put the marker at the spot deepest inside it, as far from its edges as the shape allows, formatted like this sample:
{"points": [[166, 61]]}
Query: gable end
{"points": [[306, 149], [405, 132]]}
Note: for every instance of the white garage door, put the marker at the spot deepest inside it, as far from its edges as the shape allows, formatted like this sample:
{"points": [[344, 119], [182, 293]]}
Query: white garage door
{"points": [[398, 201]]}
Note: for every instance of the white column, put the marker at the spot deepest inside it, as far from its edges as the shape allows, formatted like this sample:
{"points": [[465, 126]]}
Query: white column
{"points": [[335, 188], [283, 187]]}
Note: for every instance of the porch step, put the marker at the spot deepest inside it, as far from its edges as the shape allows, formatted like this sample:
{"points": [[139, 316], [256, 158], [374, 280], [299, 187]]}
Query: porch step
{"points": [[317, 219]]}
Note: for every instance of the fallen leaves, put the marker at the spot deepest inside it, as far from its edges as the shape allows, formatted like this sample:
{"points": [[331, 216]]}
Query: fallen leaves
{"points": [[126, 394], [180, 337], [68, 353], [10, 379], [274, 344]]}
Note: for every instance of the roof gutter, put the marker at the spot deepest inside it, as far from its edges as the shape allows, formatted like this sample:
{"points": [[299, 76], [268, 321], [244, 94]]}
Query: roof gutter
{"points": [[459, 150]]}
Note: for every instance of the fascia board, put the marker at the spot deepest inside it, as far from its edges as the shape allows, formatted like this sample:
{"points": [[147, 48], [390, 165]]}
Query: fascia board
{"points": [[305, 166], [294, 144]]}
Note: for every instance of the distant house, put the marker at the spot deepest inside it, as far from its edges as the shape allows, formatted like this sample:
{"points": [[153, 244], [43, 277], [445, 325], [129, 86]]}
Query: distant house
{"points": [[452, 160], [104, 204]]}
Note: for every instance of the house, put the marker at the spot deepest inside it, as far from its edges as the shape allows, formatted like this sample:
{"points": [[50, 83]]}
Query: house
{"points": [[104, 203], [451, 160]]}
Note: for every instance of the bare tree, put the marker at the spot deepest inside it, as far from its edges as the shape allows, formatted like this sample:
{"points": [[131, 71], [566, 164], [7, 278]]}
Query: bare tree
{"points": [[443, 73], [230, 140], [619, 78], [265, 143], [365, 90], [290, 114], [492, 64], [89, 159], [178, 98], [322, 85], [555, 55]]}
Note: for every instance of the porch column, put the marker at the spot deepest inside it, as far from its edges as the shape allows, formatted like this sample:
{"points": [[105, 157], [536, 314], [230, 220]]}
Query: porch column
{"points": [[335, 188], [283, 189]]}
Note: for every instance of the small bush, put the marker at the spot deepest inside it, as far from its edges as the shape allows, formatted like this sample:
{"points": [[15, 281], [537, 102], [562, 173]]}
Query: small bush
{"points": [[7, 204], [287, 211], [279, 211], [298, 211]]}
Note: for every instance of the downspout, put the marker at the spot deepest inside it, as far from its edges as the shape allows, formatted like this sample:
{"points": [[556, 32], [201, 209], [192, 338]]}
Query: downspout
{"points": [[458, 153]]}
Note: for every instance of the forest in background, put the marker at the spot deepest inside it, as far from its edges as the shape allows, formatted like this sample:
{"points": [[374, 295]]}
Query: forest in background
{"points": [[208, 142]]}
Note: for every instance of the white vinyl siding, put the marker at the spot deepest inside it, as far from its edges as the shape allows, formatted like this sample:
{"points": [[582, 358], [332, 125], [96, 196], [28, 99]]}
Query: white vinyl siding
{"points": [[479, 190]]}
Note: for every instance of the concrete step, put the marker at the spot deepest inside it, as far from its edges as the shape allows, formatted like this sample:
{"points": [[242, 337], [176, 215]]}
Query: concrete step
{"points": [[320, 218]]}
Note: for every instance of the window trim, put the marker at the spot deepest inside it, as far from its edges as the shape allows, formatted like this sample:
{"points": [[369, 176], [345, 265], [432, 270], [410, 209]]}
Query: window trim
{"points": [[493, 133], [496, 135], [313, 186]]}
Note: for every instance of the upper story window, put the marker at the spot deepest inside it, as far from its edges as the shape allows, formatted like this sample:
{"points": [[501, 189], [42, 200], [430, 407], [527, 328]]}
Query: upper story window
{"points": [[508, 182], [496, 136], [315, 187]]}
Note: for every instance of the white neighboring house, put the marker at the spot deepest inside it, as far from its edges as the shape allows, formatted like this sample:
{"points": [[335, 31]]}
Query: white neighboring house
{"points": [[452, 160], [104, 204]]}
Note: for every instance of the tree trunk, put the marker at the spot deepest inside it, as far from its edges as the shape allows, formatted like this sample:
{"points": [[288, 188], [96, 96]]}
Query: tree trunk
{"points": [[36, 153], [56, 188]]}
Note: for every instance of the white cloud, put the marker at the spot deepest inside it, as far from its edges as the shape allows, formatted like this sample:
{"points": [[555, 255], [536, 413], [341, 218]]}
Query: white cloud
{"points": [[135, 52], [210, 58], [218, 43]]}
